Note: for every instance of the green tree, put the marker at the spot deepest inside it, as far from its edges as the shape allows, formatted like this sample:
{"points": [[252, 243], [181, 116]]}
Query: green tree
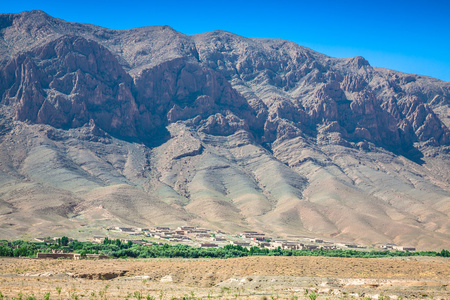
{"points": [[64, 241], [6, 251]]}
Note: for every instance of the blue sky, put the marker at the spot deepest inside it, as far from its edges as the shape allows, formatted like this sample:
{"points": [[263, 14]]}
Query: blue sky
{"points": [[409, 36]]}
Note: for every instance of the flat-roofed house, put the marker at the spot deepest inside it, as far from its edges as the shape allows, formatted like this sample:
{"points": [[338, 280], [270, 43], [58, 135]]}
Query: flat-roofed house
{"points": [[405, 248], [311, 247], [208, 245], [58, 255], [98, 239], [264, 245], [243, 244]]}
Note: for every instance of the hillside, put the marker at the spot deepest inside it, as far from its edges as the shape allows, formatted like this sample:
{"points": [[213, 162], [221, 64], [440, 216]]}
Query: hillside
{"points": [[149, 126]]}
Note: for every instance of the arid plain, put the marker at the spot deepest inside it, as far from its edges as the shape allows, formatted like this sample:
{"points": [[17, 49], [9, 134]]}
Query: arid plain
{"points": [[238, 278]]}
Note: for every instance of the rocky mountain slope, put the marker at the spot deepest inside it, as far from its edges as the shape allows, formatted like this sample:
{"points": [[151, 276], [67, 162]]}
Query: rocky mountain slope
{"points": [[150, 126]]}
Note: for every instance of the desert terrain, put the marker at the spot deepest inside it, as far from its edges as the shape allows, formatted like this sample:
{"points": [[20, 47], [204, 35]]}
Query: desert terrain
{"points": [[238, 278]]}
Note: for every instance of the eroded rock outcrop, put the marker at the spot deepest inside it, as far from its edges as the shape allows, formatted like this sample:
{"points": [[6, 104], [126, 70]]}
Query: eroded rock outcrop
{"points": [[68, 82]]}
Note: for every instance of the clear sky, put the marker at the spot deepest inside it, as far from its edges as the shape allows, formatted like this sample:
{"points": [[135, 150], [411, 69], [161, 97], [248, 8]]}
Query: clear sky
{"points": [[409, 36]]}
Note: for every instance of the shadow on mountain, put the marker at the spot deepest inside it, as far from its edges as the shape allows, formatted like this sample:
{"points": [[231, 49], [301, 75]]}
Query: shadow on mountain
{"points": [[410, 152], [156, 139]]}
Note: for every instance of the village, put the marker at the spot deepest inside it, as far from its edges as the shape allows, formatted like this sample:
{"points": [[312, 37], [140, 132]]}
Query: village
{"points": [[206, 238]]}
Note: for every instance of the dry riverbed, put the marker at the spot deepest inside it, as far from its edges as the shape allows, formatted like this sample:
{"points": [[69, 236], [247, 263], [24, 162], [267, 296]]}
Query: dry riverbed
{"points": [[242, 278]]}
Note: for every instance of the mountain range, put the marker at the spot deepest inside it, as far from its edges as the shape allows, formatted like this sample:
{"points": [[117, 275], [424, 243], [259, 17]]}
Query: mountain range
{"points": [[149, 126]]}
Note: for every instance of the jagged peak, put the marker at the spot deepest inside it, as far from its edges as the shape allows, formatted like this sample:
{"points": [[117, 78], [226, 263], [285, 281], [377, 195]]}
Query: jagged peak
{"points": [[357, 61], [35, 12], [29, 15]]}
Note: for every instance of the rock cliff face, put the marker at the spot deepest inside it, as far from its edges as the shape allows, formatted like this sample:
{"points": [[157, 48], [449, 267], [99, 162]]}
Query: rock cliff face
{"points": [[215, 130], [68, 82]]}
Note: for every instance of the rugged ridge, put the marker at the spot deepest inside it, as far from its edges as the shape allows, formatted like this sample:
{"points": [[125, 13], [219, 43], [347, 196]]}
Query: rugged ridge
{"points": [[217, 130]]}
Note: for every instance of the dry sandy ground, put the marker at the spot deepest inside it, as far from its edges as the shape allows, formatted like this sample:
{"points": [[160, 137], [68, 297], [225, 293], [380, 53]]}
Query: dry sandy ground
{"points": [[242, 278]]}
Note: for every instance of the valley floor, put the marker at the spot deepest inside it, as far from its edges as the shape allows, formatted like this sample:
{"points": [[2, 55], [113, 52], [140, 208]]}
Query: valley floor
{"points": [[237, 278]]}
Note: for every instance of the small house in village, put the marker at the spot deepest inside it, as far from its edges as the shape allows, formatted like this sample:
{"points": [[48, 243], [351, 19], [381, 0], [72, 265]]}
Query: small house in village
{"points": [[208, 245]]}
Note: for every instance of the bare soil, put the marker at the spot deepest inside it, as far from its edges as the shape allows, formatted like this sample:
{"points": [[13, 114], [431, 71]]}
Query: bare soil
{"points": [[242, 278]]}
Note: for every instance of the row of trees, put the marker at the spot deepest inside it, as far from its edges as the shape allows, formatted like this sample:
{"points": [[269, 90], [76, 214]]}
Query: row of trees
{"points": [[116, 248]]}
